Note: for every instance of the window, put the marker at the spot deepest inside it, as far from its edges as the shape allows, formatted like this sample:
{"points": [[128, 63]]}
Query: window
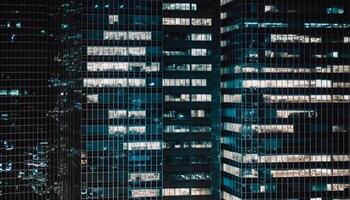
{"points": [[199, 82], [177, 67], [200, 191], [122, 66], [137, 130], [176, 82], [92, 98], [177, 97], [201, 22], [127, 35], [292, 38], [138, 193], [201, 67], [116, 130], [117, 114], [137, 114], [176, 191], [109, 82], [198, 113], [144, 177], [271, 8], [115, 51], [346, 39], [201, 97], [176, 52], [176, 21], [180, 6], [201, 37], [142, 146], [200, 52], [113, 19]]}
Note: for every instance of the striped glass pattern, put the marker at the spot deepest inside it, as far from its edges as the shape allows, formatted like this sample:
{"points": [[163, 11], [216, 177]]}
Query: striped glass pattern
{"points": [[285, 99]]}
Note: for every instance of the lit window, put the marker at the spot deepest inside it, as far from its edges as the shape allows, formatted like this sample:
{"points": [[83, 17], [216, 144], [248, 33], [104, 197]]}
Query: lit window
{"points": [[138, 193], [142, 146], [292, 38], [137, 130], [179, 6], [177, 97], [116, 130], [137, 114], [115, 51], [201, 22], [176, 82], [201, 37], [113, 19], [200, 52], [176, 21], [201, 67], [124, 35], [200, 191], [92, 98], [346, 39], [199, 82], [271, 8], [117, 114], [176, 191], [144, 176], [109, 82], [201, 97]]}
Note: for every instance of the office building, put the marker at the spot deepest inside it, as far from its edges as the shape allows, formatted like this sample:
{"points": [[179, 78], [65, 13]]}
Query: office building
{"points": [[29, 137], [121, 138], [191, 98], [285, 99]]}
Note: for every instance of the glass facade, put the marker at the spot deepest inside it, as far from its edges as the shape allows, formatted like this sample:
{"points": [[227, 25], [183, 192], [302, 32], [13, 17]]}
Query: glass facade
{"points": [[191, 104], [285, 98], [121, 136]]}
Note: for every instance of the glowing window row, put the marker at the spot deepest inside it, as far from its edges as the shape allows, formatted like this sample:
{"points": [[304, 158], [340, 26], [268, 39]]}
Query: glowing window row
{"points": [[239, 128], [187, 97], [283, 84], [127, 35], [144, 177], [121, 130], [320, 172], [115, 51], [180, 6], [114, 82], [186, 191], [249, 158], [305, 98], [188, 67], [138, 193], [122, 114], [325, 25], [9, 93], [184, 82], [187, 21], [123, 66], [186, 129], [134, 146], [327, 69], [292, 38], [191, 52], [187, 144]]}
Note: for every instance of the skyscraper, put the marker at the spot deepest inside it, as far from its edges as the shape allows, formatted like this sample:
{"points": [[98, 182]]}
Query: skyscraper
{"points": [[285, 99], [121, 141], [29, 133], [191, 102]]}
